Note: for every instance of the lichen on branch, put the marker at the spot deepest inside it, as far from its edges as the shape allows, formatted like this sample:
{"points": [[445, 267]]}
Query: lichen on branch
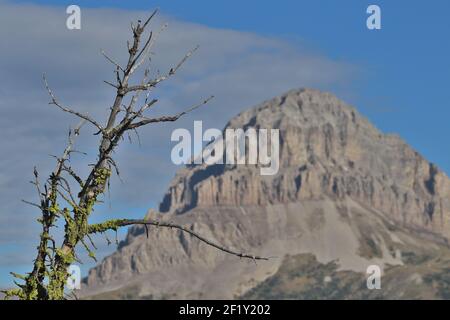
{"points": [[67, 198]]}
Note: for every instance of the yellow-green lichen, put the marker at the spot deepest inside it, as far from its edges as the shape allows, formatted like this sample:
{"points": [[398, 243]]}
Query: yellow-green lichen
{"points": [[113, 224]]}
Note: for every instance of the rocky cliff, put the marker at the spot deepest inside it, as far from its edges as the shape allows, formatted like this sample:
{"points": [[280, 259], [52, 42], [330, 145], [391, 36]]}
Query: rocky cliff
{"points": [[345, 193]]}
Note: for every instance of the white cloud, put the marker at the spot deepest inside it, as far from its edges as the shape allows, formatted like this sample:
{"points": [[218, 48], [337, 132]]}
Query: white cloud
{"points": [[240, 69]]}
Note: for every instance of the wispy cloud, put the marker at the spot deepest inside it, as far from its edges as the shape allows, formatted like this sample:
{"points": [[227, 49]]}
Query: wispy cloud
{"points": [[240, 69]]}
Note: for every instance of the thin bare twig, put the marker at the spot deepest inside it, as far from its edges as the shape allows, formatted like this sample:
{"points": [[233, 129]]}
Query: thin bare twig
{"points": [[146, 49], [55, 102], [146, 121], [111, 60], [160, 79]]}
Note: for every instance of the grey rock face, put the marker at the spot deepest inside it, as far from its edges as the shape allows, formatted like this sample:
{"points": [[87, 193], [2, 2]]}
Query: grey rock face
{"points": [[340, 179], [327, 148]]}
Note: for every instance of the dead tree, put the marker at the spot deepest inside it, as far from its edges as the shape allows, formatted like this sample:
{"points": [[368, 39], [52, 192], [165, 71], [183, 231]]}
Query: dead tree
{"points": [[68, 197]]}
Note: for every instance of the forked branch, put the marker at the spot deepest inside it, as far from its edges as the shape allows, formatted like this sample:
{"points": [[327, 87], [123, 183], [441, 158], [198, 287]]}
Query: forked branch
{"points": [[66, 195], [175, 117]]}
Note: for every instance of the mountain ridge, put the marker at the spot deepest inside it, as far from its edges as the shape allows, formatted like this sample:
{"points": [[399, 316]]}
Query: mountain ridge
{"points": [[345, 192], [317, 149]]}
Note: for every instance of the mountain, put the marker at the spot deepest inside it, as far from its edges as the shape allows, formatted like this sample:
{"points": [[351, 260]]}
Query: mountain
{"points": [[346, 196]]}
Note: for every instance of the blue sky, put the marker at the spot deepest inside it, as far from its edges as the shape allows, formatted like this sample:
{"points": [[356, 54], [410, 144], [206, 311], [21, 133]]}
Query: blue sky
{"points": [[406, 65], [397, 76]]}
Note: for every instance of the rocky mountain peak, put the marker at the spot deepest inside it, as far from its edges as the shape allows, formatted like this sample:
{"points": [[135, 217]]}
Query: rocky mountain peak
{"points": [[345, 193], [326, 148]]}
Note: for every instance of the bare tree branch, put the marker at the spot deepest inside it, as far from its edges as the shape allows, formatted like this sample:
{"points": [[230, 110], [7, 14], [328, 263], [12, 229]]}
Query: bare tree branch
{"points": [[146, 49], [167, 118], [150, 18], [111, 84], [57, 195], [32, 204], [111, 60], [72, 173], [114, 224], [172, 71], [55, 102]]}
